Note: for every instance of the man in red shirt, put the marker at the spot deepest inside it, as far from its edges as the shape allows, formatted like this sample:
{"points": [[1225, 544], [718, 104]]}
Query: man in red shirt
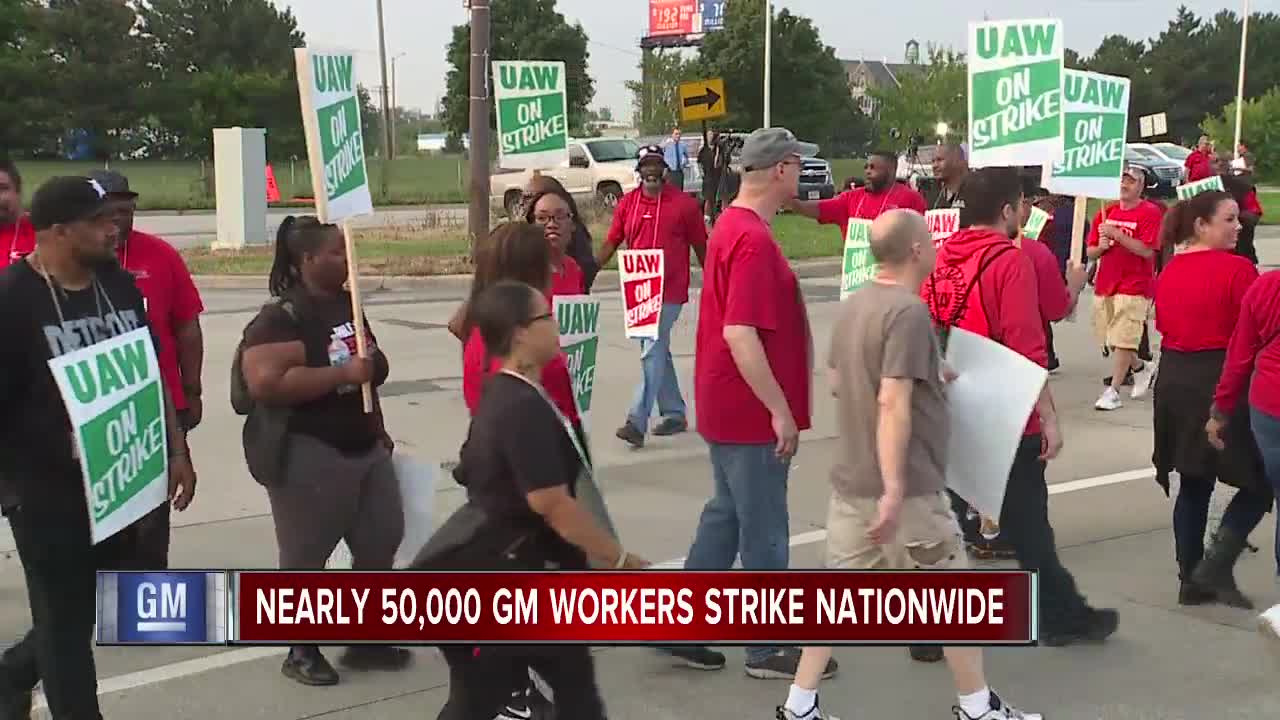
{"points": [[752, 379], [882, 192], [1124, 238], [658, 215], [173, 310], [1199, 163], [985, 285], [17, 236]]}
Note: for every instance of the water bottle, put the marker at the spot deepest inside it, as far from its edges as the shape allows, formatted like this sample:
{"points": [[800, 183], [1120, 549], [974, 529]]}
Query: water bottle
{"points": [[339, 353], [990, 529]]}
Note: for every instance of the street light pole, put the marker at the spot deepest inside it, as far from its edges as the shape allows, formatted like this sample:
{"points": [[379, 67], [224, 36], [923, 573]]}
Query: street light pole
{"points": [[478, 213], [395, 140], [768, 61], [1244, 43]]}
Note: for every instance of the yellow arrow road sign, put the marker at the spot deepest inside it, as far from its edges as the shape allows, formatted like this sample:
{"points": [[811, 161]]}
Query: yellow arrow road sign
{"points": [[702, 100]]}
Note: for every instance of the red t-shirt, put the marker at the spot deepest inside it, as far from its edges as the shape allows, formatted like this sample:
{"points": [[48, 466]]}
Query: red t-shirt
{"points": [[747, 281], [555, 377], [1051, 289], [673, 222], [568, 280], [1198, 299], [863, 204], [17, 240], [170, 296], [1121, 272], [1199, 165], [1254, 350]]}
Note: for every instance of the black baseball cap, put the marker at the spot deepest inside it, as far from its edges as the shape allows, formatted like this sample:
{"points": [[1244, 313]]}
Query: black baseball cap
{"points": [[113, 182], [651, 153], [67, 199]]}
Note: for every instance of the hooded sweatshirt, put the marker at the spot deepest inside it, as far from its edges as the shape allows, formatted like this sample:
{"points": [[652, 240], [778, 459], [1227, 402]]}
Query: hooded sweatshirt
{"points": [[983, 284]]}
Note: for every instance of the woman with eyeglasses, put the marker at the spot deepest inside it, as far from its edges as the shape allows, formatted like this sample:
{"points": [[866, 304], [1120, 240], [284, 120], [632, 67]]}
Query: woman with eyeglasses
{"points": [[580, 243], [552, 211], [520, 465]]}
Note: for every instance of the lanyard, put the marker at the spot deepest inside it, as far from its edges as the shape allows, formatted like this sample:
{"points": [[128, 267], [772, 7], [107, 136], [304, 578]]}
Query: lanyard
{"points": [[99, 294], [564, 421], [657, 216], [858, 211]]}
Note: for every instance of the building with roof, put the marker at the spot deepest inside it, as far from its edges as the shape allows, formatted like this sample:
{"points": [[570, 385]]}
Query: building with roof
{"points": [[866, 74]]}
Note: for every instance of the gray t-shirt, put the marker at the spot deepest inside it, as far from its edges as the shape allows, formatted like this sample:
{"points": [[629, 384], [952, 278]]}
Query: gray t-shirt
{"points": [[884, 331]]}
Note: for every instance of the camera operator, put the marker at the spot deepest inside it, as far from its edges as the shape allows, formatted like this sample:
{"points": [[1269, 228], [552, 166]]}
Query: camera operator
{"points": [[714, 160]]}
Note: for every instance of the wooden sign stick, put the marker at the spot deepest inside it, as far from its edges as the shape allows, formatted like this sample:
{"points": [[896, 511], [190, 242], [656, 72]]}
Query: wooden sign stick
{"points": [[357, 308]]}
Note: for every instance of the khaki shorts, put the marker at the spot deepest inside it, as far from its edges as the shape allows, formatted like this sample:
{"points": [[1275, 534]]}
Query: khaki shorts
{"points": [[1119, 320], [928, 536]]}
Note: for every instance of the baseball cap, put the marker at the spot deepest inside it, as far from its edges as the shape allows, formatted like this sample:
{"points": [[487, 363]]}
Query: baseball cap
{"points": [[67, 199], [767, 147], [1136, 172], [113, 182], [650, 153]]}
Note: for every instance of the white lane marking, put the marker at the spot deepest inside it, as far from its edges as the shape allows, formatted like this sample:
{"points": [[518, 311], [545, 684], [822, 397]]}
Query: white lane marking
{"points": [[187, 668]]}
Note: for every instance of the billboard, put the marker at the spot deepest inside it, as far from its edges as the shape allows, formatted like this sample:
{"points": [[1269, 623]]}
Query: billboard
{"points": [[678, 23]]}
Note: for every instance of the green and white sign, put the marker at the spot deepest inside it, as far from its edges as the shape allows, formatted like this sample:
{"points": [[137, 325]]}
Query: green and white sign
{"points": [[1095, 108], [1036, 223], [335, 140], [859, 265], [1015, 92], [115, 400], [579, 319], [1190, 190], [533, 115]]}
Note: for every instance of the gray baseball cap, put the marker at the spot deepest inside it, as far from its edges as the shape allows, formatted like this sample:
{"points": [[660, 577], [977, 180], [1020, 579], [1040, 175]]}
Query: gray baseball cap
{"points": [[767, 147]]}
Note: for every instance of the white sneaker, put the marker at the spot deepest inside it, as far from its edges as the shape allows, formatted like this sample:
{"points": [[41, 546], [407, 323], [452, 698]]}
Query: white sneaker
{"points": [[1142, 381], [1269, 626], [999, 710], [1109, 400], [814, 714]]}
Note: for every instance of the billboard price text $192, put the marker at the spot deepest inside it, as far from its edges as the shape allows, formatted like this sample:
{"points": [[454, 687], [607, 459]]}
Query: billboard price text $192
{"points": [[533, 118]]}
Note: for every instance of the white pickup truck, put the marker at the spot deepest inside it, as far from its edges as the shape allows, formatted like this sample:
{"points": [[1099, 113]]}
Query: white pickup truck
{"points": [[598, 169]]}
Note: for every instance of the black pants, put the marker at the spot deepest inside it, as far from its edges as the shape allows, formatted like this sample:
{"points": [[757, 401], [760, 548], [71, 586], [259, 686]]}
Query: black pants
{"points": [[151, 541], [60, 564], [1191, 516], [1024, 523], [481, 683], [1048, 339]]}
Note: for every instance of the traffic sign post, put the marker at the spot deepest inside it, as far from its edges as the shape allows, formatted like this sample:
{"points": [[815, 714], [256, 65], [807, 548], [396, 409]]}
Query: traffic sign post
{"points": [[702, 100]]}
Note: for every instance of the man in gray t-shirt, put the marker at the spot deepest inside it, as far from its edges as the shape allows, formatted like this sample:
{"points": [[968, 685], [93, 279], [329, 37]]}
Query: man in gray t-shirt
{"points": [[889, 508]]}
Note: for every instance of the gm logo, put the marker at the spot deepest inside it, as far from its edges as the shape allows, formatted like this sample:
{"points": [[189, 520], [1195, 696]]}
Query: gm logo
{"points": [[158, 608]]}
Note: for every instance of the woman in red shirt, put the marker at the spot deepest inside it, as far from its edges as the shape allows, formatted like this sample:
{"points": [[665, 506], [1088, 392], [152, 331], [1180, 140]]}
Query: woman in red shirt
{"points": [[1197, 300], [552, 210]]}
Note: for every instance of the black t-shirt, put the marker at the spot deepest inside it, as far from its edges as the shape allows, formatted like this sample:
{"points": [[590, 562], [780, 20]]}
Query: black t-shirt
{"points": [[37, 465], [516, 445], [326, 328]]}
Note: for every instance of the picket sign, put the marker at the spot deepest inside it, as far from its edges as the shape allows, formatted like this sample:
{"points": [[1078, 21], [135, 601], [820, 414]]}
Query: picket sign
{"points": [[115, 400], [1190, 190], [858, 266], [640, 273], [335, 151]]}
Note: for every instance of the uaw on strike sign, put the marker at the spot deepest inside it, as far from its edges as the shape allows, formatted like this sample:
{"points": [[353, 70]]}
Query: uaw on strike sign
{"points": [[641, 276], [335, 142], [533, 117]]}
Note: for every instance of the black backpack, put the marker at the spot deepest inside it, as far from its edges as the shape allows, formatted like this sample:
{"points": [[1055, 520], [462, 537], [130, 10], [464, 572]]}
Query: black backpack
{"points": [[266, 428]]}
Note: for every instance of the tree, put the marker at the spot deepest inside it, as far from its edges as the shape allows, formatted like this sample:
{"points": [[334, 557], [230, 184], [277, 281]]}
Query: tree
{"points": [[99, 86], [655, 96], [520, 30], [1118, 55], [810, 91], [1261, 130], [937, 93], [25, 122], [222, 63]]}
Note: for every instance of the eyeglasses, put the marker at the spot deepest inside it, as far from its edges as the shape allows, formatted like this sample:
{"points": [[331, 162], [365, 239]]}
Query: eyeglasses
{"points": [[559, 218], [537, 318]]}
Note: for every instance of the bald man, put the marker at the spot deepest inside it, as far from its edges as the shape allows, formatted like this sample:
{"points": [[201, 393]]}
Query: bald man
{"points": [[950, 166], [889, 508]]}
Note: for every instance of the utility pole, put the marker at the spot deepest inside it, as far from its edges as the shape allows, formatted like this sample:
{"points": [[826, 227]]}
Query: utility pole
{"points": [[478, 213], [768, 61], [1244, 44], [386, 98]]}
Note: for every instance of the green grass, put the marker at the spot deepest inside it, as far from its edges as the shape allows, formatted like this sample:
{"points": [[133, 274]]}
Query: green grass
{"points": [[189, 185]]}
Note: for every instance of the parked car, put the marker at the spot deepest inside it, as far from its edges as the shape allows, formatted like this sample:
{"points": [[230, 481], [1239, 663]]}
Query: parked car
{"points": [[1169, 151], [816, 181], [1163, 176], [600, 170]]}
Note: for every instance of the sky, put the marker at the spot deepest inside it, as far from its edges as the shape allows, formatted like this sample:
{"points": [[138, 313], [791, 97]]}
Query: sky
{"points": [[421, 29]]}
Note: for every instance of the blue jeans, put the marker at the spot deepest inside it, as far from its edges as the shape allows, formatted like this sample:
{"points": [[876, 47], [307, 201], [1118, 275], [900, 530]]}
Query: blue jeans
{"points": [[658, 381], [1266, 430], [746, 516]]}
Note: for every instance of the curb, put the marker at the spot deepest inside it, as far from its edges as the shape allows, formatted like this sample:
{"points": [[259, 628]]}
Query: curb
{"points": [[805, 269]]}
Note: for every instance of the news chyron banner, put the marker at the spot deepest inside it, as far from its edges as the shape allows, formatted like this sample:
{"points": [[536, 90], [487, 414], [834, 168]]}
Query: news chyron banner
{"points": [[163, 608], [976, 607]]}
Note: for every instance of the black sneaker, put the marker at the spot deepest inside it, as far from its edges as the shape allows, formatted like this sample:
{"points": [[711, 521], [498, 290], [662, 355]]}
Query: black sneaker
{"points": [[782, 666], [696, 657], [375, 657], [671, 426], [527, 704], [1094, 628], [631, 435], [926, 653], [308, 666], [781, 713], [997, 710]]}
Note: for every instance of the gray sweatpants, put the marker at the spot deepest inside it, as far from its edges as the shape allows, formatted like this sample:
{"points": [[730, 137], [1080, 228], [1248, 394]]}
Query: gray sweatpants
{"points": [[326, 497]]}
